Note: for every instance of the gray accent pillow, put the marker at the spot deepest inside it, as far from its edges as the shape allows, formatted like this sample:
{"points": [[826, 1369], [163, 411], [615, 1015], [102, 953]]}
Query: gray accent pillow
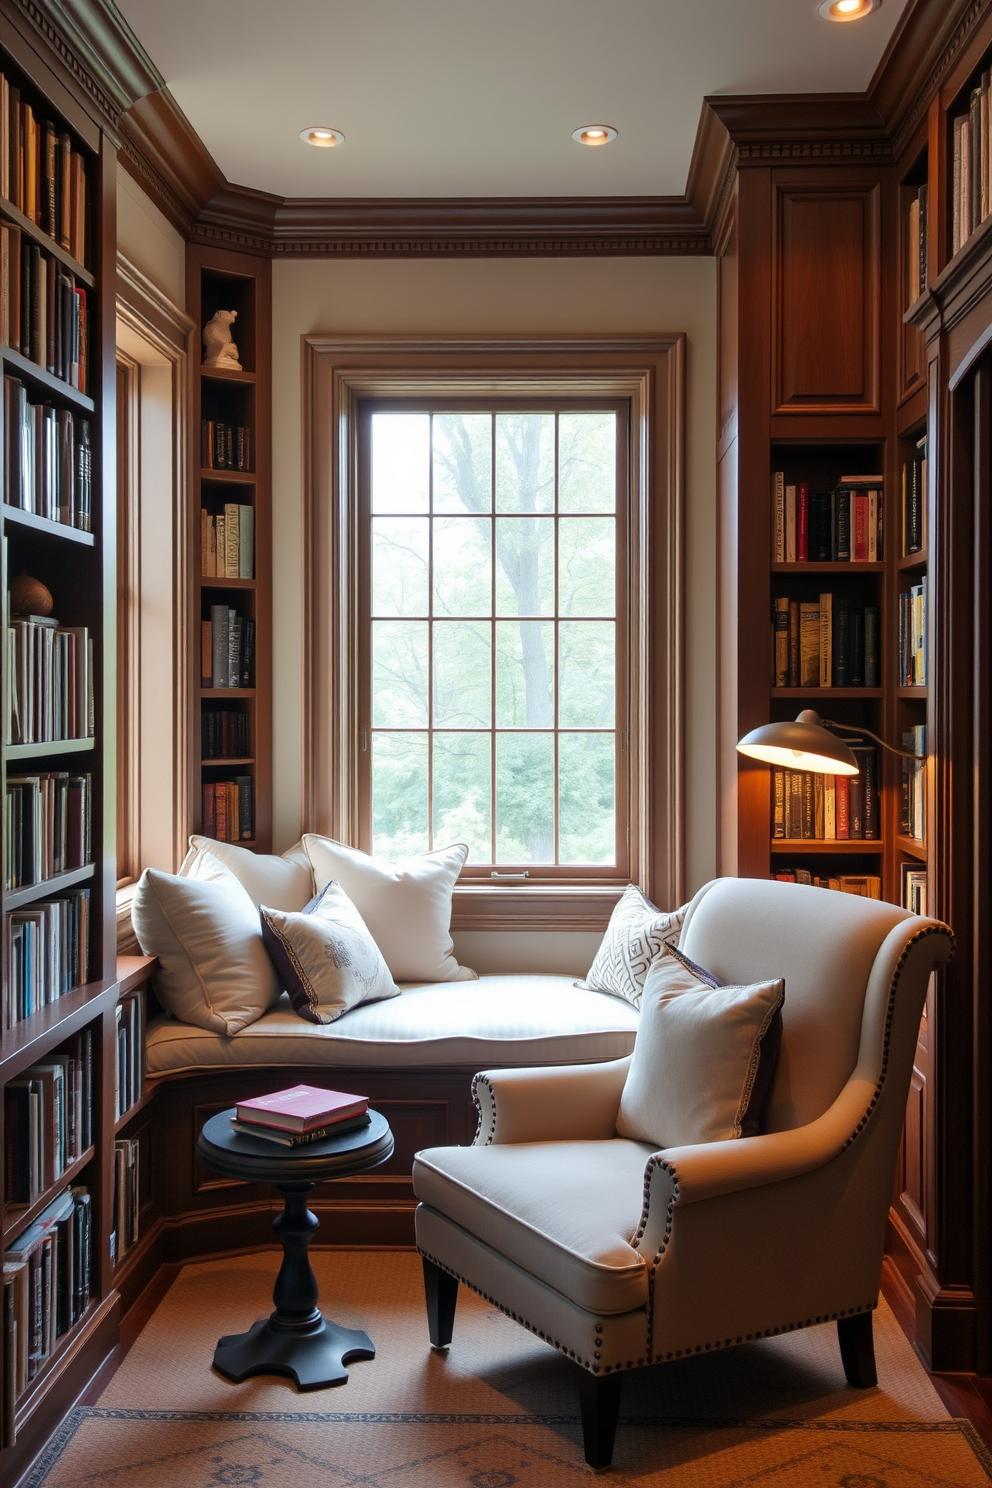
{"points": [[638, 933], [325, 957], [703, 1057]]}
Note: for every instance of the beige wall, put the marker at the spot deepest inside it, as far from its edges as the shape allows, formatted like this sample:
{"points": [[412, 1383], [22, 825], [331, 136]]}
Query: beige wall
{"points": [[149, 241], [537, 296]]}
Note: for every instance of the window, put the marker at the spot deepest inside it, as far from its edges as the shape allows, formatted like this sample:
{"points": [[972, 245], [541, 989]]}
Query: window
{"points": [[492, 613], [494, 550]]}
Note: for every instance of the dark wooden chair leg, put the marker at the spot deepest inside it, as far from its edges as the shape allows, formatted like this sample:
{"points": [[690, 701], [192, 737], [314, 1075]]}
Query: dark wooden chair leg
{"points": [[441, 1290], [857, 1350], [599, 1401]]}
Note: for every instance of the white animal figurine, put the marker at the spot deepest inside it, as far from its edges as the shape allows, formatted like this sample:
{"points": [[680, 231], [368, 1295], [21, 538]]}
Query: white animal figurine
{"points": [[221, 350]]}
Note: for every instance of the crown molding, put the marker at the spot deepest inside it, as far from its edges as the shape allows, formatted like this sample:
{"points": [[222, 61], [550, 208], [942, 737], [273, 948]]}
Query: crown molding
{"points": [[920, 54], [96, 45]]}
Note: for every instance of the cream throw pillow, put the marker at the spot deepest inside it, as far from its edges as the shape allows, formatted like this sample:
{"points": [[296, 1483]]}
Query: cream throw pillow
{"points": [[703, 1058], [638, 933], [284, 882], [325, 957], [213, 968], [406, 905]]}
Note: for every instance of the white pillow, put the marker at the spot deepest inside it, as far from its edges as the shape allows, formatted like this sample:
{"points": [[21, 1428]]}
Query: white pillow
{"points": [[284, 883], [213, 968], [638, 933], [325, 957], [703, 1059], [406, 905]]}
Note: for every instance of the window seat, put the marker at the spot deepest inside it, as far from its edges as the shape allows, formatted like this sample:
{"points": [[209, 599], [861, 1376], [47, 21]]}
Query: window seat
{"points": [[497, 1020]]}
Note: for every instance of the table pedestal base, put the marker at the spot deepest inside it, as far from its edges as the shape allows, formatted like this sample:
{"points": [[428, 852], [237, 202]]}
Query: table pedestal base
{"points": [[314, 1357]]}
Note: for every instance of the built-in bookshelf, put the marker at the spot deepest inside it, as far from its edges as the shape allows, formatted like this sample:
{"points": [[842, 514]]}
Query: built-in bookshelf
{"points": [[232, 687]]}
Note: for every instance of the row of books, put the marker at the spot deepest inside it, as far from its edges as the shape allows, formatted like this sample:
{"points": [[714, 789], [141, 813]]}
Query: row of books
{"points": [[224, 446], [130, 1074], [867, 885], [46, 1285], [227, 542], [224, 733], [229, 809], [49, 681], [48, 459], [914, 890], [43, 311], [48, 826], [814, 807], [913, 636], [299, 1115], [41, 174], [825, 642], [916, 245], [914, 500], [839, 526], [913, 787], [127, 1197], [971, 197], [227, 652], [48, 1119], [47, 953]]}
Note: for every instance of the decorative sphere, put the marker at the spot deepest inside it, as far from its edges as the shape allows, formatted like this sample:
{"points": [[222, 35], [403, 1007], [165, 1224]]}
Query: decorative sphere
{"points": [[29, 596]]}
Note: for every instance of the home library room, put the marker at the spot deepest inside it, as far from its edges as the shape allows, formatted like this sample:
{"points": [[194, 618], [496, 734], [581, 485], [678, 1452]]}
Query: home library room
{"points": [[231, 490]]}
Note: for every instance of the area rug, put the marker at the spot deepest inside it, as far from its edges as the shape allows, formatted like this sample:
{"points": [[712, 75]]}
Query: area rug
{"points": [[497, 1410]]}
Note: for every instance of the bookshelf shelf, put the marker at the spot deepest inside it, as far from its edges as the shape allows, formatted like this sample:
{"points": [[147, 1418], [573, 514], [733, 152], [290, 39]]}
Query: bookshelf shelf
{"points": [[909, 562], [14, 898], [214, 374], [221, 694], [229, 477], [920, 693], [85, 1326], [30, 229], [828, 568], [136, 1109], [17, 1217], [912, 847], [860, 845], [210, 760], [208, 581], [30, 370], [32, 1038], [51, 749], [827, 692], [44, 527]]}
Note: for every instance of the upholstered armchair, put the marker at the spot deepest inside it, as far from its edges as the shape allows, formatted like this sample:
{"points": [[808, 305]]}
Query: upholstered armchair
{"points": [[620, 1256]]}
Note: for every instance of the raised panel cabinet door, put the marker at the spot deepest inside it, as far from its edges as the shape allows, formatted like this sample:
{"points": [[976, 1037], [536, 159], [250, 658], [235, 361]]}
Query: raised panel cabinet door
{"points": [[826, 304]]}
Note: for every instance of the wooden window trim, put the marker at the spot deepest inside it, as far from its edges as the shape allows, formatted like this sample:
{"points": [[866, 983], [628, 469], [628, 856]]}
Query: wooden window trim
{"points": [[648, 372], [128, 615]]}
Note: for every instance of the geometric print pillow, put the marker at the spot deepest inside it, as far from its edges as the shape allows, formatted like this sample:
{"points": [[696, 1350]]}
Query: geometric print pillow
{"points": [[638, 933]]}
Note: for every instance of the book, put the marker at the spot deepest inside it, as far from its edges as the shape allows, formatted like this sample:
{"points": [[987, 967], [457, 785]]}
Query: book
{"points": [[300, 1139], [300, 1108], [809, 643]]}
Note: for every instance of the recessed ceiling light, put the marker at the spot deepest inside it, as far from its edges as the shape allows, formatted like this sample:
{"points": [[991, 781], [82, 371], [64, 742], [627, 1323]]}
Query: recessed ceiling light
{"points": [[847, 10], [594, 134], [322, 136]]}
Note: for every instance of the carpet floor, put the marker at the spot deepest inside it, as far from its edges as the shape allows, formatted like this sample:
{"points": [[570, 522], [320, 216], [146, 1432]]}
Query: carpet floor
{"points": [[497, 1410]]}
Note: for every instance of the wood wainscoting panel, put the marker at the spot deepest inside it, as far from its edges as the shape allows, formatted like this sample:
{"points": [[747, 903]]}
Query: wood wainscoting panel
{"points": [[826, 302]]}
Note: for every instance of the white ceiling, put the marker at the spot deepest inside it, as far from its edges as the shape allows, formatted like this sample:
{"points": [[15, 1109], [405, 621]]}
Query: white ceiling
{"points": [[480, 97]]}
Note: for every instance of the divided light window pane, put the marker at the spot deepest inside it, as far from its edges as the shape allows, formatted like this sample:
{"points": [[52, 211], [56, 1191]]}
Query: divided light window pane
{"points": [[494, 635]]}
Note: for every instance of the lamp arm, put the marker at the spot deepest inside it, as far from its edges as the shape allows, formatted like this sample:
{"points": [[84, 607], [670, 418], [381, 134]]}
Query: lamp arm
{"points": [[853, 732]]}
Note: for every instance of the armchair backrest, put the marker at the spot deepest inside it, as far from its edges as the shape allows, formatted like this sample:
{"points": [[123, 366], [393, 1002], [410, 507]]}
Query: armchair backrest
{"points": [[825, 945]]}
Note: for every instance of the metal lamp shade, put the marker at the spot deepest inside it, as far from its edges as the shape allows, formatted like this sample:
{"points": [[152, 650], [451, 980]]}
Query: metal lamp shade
{"points": [[802, 745]]}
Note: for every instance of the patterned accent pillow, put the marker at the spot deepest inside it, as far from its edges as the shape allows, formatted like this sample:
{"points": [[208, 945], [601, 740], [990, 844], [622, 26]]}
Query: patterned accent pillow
{"points": [[638, 933], [325, 957]]}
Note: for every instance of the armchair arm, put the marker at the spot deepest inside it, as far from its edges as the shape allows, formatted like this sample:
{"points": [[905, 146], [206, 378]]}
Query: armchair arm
{"points": [[687, 1175], [557, 1103]]}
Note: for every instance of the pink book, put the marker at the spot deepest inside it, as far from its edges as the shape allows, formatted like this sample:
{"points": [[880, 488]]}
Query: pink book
{"points": [[301, 1107]]}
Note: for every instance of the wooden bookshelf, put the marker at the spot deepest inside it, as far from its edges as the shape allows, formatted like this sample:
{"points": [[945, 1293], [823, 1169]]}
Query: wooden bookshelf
{"points": [[219, 280]]}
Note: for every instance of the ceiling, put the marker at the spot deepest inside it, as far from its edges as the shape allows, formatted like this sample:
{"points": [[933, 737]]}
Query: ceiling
{"points": [[449, 98]]}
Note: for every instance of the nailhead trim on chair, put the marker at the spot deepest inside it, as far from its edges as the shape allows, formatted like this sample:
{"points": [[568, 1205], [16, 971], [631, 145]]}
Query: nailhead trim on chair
{"points": [[490, 1135], [593, 1367], [718, 1343]]}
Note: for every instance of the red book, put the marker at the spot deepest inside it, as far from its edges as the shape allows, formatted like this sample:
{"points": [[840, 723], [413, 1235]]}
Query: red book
{"points": [[802, 522], [301, 1108], [843, 799], [860, 535]]}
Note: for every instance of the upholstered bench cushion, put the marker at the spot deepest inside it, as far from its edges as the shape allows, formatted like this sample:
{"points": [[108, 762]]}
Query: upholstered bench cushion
{"points": [[495, 1020], [564, 1212]]}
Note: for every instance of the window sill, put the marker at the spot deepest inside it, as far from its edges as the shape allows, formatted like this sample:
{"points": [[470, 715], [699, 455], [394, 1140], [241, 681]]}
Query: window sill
{"points": [[533, 906]]}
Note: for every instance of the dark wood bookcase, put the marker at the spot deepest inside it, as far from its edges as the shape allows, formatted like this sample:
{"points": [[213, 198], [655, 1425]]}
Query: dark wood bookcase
{"points": [[219, 280]]}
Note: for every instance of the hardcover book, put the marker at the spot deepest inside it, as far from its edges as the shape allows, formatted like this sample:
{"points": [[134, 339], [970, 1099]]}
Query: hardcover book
{"points": [[301, 1108]]}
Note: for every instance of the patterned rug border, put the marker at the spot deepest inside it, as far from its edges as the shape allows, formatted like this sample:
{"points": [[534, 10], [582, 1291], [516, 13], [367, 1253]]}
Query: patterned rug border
{"points": [[62, 1438]]}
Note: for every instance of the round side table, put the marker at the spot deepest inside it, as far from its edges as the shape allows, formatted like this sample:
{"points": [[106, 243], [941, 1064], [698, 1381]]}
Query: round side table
{"points": [[296, 1339]]}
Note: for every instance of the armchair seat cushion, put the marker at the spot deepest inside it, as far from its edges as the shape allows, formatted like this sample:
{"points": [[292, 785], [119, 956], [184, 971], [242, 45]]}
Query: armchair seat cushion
{"points": [[565, 1212]]}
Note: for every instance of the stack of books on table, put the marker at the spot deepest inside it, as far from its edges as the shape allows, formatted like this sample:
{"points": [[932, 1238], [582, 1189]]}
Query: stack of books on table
{"points": [[302, 1114]]}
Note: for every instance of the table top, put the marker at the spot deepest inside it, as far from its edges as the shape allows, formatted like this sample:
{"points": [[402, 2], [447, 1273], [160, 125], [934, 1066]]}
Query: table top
{"points": [[237, 1155]]}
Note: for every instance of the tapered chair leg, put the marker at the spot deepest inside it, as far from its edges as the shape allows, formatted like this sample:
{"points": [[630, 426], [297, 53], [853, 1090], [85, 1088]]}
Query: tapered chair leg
{"points": [[857, 1350], [599, 1402], [441, 1290]]}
